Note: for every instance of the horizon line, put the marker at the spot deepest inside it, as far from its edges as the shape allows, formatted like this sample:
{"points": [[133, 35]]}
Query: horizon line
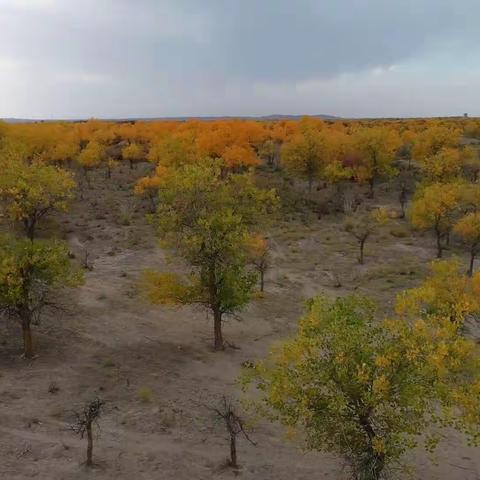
{"points": [[227, 117]]}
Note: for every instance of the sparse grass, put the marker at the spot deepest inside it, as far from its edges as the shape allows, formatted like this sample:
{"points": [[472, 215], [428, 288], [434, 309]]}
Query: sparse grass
{"points": [[399, 231], [145, 395]]}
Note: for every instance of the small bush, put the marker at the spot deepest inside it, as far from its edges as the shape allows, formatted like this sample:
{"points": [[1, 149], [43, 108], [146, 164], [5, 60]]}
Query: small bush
{"points": [[145, 395], [53, 388]]}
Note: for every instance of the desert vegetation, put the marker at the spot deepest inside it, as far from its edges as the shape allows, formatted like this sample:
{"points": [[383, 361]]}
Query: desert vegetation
{"points": [[298, 284]]}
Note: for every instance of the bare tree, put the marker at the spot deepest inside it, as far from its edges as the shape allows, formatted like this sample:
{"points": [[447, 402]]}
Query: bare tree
{"points": [[234, 425], [260, 253], [84, 423], [361, 224]]}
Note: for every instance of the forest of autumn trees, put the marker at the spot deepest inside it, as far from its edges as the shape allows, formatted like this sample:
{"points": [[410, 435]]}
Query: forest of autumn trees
{"points": [[213, 190]]}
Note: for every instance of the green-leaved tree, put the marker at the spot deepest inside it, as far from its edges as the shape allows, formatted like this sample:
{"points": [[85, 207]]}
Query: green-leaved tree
{"points": [[207, 219], [365, 390], [31, 191], [30, 271]]}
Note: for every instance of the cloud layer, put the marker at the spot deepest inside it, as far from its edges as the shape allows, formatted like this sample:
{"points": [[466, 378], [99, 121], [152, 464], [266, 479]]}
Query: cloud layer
{"points": [[116, 58]]}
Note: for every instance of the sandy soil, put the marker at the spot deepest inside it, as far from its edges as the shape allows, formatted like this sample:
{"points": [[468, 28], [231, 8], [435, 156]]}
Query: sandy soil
{"points": [[107, 341]]}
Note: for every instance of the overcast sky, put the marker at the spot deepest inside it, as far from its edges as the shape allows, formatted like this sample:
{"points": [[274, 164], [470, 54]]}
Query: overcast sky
{"points": [[121, 58]]}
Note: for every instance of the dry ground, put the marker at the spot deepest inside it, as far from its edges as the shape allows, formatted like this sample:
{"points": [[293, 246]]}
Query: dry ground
{"points": [[154, 366]]}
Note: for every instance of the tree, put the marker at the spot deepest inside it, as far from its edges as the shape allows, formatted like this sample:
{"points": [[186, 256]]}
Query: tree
{"points": [[443, 166], [403, 199], [147, 187], [173, 151], [432, 140], [468, 229], [234, 425], [471, 162], [84, 424], [304, 155], [238, 157], [362, 224], [110, 164], [90, 157], [207, 220], [367, 391], [133, 152], [434, 208], [446, 292], [64, 150], [32, 191], [260, 256], [29, 272], [376, 147], [267, 151]]}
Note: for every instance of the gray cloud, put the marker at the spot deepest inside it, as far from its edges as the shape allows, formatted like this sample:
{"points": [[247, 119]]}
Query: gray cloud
{"points": [[125, 57]]}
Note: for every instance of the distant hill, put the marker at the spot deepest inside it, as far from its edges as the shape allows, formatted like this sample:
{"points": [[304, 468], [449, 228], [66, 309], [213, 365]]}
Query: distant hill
{"points": [[17, 120], [152, 119]]}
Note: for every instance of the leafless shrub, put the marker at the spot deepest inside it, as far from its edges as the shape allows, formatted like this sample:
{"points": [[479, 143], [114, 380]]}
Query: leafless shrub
{"points": [[84, 422], [234, 425]]}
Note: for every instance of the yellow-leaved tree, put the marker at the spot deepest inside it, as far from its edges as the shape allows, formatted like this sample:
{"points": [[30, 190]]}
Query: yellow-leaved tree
{"points": [[259, 252], [433, 139], [376, 147], [435, 207], [31, 272], [365, 390], [133, 152], [239, 157], [468, 229], [304, 155], [147, 187], [91, 157], [30, 191], [446, 292], [443, 166]]}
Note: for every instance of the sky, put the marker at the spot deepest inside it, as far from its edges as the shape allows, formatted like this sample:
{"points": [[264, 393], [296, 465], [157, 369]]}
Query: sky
{"points": [[156, 58]]}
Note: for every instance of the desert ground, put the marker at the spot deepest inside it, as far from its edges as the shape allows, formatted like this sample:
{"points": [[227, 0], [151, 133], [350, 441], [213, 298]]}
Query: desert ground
{"points": [[154, 366]]}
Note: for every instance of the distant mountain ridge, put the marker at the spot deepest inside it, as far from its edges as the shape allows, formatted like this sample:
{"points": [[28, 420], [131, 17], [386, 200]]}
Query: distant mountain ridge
{"points": [[153, 119]]}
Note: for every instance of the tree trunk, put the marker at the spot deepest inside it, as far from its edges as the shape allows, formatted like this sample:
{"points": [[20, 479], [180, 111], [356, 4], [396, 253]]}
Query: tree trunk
{"points": [[153, 206], [217, 327], [371, 184], [262, 280], [472, 260], [87, 177], [233, 451], [310, 184], [362, 246], [439, 245], [27, 338], [29, 227], [377, 464], [403, 197], [276, 155], [89, 444], [376, 461]]}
